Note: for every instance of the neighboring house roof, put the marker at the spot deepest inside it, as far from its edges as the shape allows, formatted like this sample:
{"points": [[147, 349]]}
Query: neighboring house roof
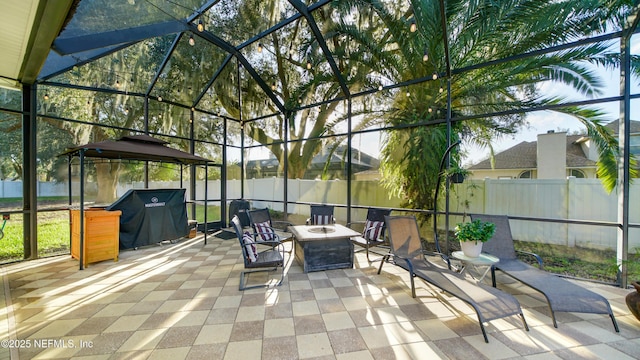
{"points": [[338, 156], [634, 126], [524, 156], [520, 156], [359, 160]]}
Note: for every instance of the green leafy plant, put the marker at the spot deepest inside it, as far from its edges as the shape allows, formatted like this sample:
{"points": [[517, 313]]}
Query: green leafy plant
{"points": [[456, 174], [632, 263], [476, 230]]}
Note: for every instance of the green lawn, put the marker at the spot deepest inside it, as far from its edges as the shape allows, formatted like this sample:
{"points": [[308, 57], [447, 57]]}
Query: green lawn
{"points": [[582, 263], [53, 236], [11, 247], [213, 213], [54, 233]]}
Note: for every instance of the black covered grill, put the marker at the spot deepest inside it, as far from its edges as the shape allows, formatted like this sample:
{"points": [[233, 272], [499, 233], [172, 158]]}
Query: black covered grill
{"points": [[150, 216]]}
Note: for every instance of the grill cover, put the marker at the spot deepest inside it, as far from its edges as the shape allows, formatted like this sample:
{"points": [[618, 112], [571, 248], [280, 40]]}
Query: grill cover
{"points": [[150, 216]]}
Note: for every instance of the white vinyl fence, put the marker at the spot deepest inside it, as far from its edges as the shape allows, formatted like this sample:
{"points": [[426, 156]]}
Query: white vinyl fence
{"points": [[574, 199]]}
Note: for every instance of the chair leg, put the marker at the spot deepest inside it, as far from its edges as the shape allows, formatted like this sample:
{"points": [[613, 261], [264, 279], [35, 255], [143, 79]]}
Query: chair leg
{"points": [[413, 285], [484, 332], [290, 239], [524, 322], [553, 317], [365, 248], [282, 273], [553, 314], [493, 275], [615, 324], [242, 278], [368, 258], [384, 259]]}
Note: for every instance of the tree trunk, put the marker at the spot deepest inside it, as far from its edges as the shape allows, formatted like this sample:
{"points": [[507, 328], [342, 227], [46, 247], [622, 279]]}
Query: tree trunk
{"points": [[107, 179]]}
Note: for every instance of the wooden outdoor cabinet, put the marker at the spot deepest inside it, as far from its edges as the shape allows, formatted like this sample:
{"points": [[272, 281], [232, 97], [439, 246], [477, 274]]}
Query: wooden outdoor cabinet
{"points": [[101, 235]]}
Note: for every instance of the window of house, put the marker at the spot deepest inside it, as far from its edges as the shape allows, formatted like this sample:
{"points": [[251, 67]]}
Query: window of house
{"points": [[528, 174], [634, 144], [578, 174]]}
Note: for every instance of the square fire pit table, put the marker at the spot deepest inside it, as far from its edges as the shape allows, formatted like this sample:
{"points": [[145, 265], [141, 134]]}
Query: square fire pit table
{"points": [[323, 247]]}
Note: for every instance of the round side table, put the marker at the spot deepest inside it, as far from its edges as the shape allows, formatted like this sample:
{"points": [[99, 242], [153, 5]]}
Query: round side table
{"points": [[482, 260]]}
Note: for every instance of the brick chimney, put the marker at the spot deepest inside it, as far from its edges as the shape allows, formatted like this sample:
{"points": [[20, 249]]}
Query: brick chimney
{"points": [[552, 155]]}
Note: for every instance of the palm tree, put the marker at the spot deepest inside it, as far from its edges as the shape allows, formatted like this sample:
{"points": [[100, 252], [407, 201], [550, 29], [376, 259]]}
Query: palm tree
{"points": [[495, 33]]}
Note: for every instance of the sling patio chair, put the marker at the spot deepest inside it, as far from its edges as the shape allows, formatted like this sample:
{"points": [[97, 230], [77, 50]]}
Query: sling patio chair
{"points": [[264, 226], [562, 295], [266, 229], [321, 215], [373, 231], [406, 252], [254, 261]]}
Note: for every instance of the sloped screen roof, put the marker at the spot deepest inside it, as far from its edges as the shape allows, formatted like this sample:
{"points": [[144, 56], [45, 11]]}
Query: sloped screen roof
{"points": [[196, 53]]}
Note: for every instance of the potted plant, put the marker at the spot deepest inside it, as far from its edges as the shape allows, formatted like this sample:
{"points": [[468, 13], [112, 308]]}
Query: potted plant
{"points": [[473, 234], [633, 300], [456, 175]]}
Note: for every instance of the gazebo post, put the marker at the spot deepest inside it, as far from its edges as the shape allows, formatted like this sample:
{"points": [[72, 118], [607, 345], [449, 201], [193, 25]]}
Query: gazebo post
{"points": [[206, 190], [81, 250], [69, 174]]}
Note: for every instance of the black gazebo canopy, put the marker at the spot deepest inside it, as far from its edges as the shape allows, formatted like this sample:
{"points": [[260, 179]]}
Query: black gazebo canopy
{"points": [[136, 147]]}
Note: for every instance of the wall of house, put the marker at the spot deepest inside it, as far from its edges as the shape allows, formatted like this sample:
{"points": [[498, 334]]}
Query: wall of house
{"points": [[589, 149], [552, 155], [498, 174], [590, 173]]}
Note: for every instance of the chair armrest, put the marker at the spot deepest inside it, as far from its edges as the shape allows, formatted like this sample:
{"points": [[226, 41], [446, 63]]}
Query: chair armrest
{"points": [[443, 256], [369, 228], [434, 253], [269, 242], [397, 258], [536, 256], [409, 264], [275, 247]]}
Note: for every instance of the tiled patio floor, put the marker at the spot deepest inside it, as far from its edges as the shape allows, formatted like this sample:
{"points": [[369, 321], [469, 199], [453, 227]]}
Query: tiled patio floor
{"points": [[181, 301]]}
